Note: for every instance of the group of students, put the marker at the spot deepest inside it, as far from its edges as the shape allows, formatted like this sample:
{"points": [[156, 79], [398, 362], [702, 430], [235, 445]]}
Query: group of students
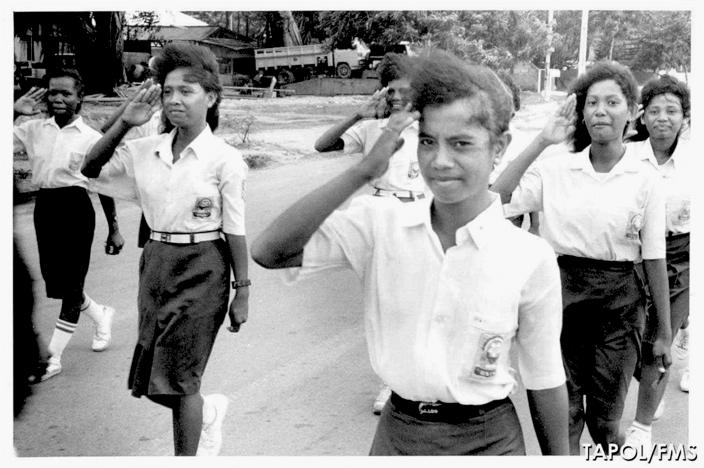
{"points": [[449, 283]]}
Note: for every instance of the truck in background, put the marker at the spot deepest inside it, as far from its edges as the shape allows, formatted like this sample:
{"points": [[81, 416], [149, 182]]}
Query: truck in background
{"points": [[297, 63]]}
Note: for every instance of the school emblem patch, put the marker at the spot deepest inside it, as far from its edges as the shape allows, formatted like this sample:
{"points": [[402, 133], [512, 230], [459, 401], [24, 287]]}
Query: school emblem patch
{"points": [[683, 215], [413, 170], [75, 161], [203, 208], [635, 223], [486, 360]]}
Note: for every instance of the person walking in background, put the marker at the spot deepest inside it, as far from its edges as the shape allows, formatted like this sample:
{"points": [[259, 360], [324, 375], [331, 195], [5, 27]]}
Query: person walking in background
{"points": [[190, 186], [603, 210], [359, 132], [64, 218], [445, 296], [665, 109]]}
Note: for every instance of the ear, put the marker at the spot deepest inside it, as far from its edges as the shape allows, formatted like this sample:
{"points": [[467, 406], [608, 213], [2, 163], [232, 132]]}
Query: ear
{"points": [[212, 97], [499, 147]]}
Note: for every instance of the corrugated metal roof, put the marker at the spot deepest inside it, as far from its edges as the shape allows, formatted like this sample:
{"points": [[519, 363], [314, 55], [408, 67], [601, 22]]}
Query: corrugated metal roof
{"points": [[170, 33]]}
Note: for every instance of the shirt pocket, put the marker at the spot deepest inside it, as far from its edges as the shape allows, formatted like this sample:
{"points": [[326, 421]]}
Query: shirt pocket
{"points": [[485, 353], [75, 160]]}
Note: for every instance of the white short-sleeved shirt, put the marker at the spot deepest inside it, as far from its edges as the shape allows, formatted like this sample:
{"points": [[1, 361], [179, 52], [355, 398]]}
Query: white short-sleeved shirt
{"points": [[56, 154], [202, 191], [616, 216], [439, 325], [677, 174], [403, 172]]}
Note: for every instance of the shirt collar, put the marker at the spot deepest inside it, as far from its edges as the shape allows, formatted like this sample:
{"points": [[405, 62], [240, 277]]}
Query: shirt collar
{"points": [[480, 229], [647, 153], [78, 123], [630, 162], [198, 147]]}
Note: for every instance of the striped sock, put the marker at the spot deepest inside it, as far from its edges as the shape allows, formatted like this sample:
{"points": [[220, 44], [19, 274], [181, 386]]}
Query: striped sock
{"points": [[62, 335]]}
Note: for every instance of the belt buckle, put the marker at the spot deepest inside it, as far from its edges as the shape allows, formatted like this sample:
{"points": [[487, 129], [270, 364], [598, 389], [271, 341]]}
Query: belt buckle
{"points": [[428, 407], [164, 237]]}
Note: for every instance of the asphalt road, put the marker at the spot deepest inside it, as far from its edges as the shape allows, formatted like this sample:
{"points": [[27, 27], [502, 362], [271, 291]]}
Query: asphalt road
{"points": [[297, 374]]}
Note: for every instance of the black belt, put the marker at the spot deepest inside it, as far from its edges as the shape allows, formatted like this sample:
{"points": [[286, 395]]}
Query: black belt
{"points": [[676, 235], [444, 412], [569, 261]]}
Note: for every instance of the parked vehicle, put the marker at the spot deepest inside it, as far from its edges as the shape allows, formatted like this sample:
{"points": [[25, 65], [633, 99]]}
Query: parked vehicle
{"points": [[297, 63]]}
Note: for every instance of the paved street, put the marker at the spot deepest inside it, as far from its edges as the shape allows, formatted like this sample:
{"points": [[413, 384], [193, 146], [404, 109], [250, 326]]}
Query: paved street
{"points": [[297, 374]]}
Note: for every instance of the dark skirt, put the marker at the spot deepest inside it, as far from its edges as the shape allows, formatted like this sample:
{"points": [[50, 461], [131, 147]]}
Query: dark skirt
{"points": [[182, 302], [64, 221]]}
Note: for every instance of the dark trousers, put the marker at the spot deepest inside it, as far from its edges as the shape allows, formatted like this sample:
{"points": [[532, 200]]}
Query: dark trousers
{"points": [[494, 432], [603, 317]]}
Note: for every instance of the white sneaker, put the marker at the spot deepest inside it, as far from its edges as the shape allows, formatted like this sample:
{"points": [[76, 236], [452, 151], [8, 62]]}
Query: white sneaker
{"points": [[211, 434], [103, 334], [53, 368], [680, 346], [637, 437], [381, 399], [684, 381], [660, 410]]}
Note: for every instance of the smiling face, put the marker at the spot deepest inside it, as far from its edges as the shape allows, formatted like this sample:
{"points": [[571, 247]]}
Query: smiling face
{"points": [[455, 153], [63, 100], [606, 111], [663, 117], [185, 101], [398, 94]]}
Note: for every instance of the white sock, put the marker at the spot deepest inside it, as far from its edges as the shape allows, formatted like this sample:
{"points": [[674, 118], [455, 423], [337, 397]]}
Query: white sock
{"points": [[209, 412], [642, 427], [62, 335], [91, 308]]}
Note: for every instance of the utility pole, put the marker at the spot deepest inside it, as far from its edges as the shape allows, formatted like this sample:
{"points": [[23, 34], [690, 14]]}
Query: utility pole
{"points": [[548, 76], [582, 64]]}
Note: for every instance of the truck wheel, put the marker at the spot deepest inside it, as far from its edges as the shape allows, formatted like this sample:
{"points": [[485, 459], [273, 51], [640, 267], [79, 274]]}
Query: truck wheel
{"points": [[343, 70], [285, 77]]}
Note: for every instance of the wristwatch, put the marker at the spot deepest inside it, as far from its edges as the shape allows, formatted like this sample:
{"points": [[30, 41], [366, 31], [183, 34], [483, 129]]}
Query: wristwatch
{"points": [[241, 283]]}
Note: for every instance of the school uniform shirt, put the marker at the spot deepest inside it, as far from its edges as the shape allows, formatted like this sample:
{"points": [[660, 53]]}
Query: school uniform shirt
{"points": [[202, 191], [403, 172], [678, 179], [439, 325], [55, 154], [615, 216]]}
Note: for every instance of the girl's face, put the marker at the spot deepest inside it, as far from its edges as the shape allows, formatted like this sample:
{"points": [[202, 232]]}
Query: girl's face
{"points": [[456, 153], [185, 102], [606, 111], [663, 117]]}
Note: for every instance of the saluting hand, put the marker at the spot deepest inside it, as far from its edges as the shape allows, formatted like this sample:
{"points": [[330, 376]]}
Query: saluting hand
{"points": [[27, 104], [377, 161], [561, 125], [376, 107], [239, 310], [143, 105]]}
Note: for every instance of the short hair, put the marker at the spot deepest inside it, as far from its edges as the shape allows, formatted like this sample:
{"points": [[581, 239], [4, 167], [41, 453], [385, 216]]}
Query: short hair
{"points": [[600, 71], [203, 69], [655, 87], [393, 67], [442, 78], [513, 87], [66, 73]]}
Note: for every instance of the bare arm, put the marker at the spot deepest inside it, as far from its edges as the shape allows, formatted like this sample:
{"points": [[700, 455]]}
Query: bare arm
{"points": [[281, 244], [114, 242], [548, 409], [656, 276], [331, 140], [557, 129], [239, 307], [137, 112]]}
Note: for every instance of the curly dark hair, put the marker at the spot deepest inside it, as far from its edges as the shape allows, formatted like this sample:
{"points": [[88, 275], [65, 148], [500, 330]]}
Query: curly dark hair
{"points": [[442, 78], [203, 69], [393, 67], [600, 71], [655, 87], [67, 73]]}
